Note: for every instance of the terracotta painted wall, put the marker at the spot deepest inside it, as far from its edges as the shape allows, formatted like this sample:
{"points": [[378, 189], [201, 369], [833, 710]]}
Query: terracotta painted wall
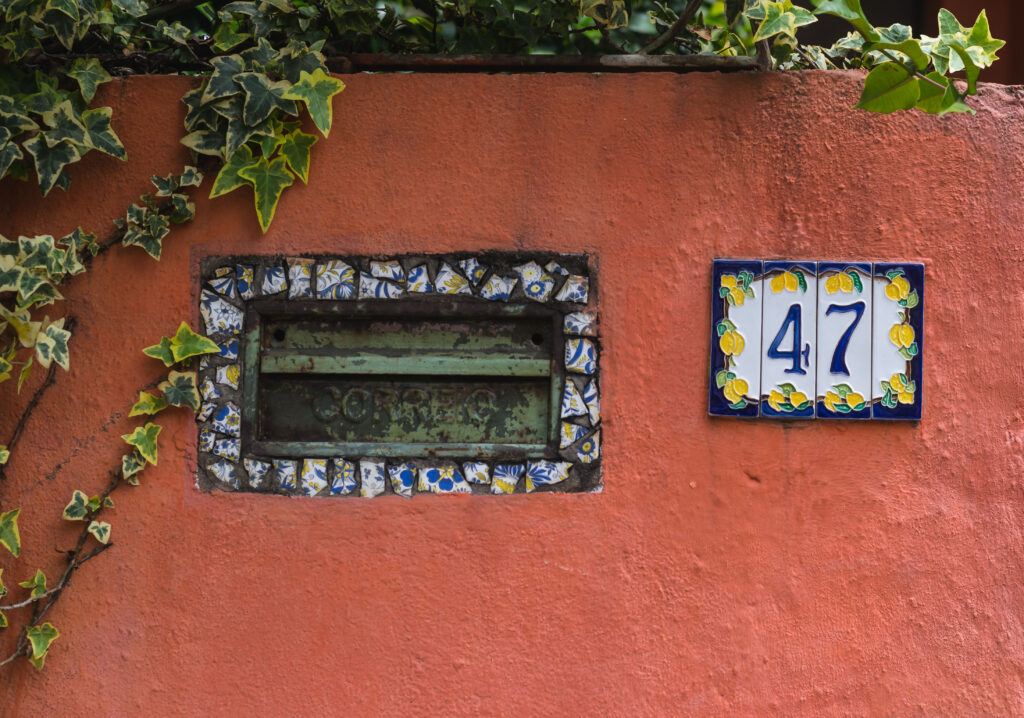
{"points": [[728, 568]]}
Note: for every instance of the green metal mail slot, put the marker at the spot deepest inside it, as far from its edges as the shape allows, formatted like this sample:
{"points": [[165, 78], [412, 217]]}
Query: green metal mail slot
{"points": [[441, 378]]}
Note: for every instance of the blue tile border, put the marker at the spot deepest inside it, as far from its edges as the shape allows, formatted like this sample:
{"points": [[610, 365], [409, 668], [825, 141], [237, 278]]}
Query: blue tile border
{"points": [[914, 314], [718, 405]]}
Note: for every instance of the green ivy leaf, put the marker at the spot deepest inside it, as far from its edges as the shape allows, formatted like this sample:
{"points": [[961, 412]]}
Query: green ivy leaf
{"points": [[52, 345], [94, 503], [50, 160], [269, 180], [262, 97], [295, 150], [161, 351], [316, 90], [228, 179], [77, 508], [147, 404], [98, 134], [10, 538], [911, 48], [781, 18], [5, 454], [37, 583], [226, 36], [222, 83], [100, 530], [180, 390], [41, 637], [131, 465], [205, 142], [89, 74], [9, 151], [64, 124], [888, 88], [144, 439], [186, 343], [850, 11]]}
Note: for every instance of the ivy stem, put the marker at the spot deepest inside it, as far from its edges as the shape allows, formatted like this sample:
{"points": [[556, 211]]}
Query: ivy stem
{"points": [[674, 28]]}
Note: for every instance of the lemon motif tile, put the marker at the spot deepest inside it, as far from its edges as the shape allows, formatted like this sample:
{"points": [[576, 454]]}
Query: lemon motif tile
{"points": [[788, 339], [897, 384], [736, 304], [844, 340]]}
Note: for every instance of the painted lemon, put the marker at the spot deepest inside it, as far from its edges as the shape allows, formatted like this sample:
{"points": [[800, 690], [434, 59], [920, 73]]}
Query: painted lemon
{"points": [[831, 399], [774, 399], [778, 283], [902, 286], [791, 282], [846, 282], [832, 284], [892, 291], [853, 399], [906, 397], [906, 334], [896, 383], [737, 296], [730, 391], [728, 281], [740, 386], [797, 398], [738, 343]]}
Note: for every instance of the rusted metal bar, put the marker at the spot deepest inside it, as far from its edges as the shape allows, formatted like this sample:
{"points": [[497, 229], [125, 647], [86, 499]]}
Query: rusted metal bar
{"points": [[347, 64]]}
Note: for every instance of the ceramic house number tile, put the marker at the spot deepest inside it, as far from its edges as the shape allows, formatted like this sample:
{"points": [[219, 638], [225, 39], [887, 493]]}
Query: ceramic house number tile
{"points": [[897, 336], [788, 334], [844, 340], [735, 338]]}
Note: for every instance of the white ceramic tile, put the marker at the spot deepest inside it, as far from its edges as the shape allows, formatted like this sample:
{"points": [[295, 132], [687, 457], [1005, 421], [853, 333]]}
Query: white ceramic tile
{"points": [[737, 302], [844, 340], [788, 339]]}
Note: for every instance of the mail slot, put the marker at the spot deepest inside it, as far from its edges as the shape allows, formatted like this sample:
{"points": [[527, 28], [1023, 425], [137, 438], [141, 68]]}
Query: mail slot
{"points": [[446, 379]]}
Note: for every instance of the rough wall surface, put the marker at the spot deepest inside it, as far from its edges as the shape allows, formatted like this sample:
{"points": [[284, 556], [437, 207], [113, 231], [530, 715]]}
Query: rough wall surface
{"points": [[728, 568]]}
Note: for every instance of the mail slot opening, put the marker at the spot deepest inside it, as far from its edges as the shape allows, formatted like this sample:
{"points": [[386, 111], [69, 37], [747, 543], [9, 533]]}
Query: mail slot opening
{"points": [[360, 379]]}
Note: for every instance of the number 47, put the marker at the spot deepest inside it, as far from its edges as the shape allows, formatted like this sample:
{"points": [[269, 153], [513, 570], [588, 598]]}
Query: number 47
{"points": [[794, 353]]}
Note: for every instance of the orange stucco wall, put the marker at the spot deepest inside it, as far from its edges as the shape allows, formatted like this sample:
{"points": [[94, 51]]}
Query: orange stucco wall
{"points": [[728, 568]]}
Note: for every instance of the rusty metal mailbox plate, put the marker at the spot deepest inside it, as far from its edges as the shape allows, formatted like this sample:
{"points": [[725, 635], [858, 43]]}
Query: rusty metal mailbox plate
{"points": [[362, 376]]}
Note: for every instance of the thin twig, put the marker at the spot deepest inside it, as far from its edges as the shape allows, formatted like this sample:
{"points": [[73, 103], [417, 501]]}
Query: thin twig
{"points": [[674, 28], [606, 36]]}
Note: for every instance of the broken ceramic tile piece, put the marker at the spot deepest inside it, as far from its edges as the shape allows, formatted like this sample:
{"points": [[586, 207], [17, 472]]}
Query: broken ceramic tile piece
{"points": [[387, 270], [593, 400], [537, 284], [284, 471], [256, 470], [542, 473], [473, 270], [229, 349], [314, 476], [209, 390], [206, 411], [206, 439], [229, 375], [220, 272], [227, 448], [224, 471], [371, 478], [228, 420], [581, 323], [344, 481], [373, 288], [403, 478], [498, 289], [274, 280], [477, 472], [219, 315], [505, 478], [580, 356], [245, 280], [555, 268], [571, 433], [225, 286], [572, 400], [300, 274], [448, 281], [335, 280], [576, 289], [419, 280], [590, 449], [443, 480]]}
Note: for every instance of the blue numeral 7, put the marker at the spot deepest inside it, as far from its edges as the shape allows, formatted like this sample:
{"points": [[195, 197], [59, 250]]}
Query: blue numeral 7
{"points": [[838, 365]]}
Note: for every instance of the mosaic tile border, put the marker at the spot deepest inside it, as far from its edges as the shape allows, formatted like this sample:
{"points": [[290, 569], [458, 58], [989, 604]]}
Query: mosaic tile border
{"points": [[762, 310], [565, 283]]}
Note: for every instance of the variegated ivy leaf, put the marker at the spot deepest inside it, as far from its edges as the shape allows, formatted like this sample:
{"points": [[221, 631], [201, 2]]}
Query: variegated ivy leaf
{"points": [[94, 503], [78, 508], [180, 390], [50, 160], [89, 74], [295, 150], [5, 454], [5, 372], [52, 344], [22, 325], [268, 180], [262, 97], [609, 14], [100, 530], [23, 375], [199, 115], [147, 404], [41, 637], [9, 153], [316, 90], [99, 135], [186, 343], [10, 538], [131, 465], [108, 502], [190, 177], [144, 439], [228, 177], [37, 583], [3, 618], [205, 142], [779, 18], [161, 351], [221, 82]]}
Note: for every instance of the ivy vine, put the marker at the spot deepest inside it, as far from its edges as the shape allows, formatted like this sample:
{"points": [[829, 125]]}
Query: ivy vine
{"points": [[262, 80]]}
